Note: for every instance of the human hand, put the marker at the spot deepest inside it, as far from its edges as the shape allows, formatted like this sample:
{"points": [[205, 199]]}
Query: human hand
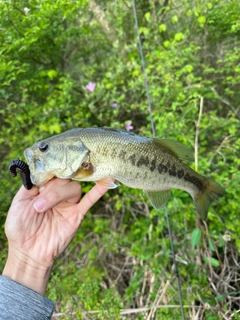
{"points": [[40, 225]]}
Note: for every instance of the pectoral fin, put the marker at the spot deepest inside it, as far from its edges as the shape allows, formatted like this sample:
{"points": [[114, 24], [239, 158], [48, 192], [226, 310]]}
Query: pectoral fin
{"points": [[158, 199], [85, 171], [108, 183]]}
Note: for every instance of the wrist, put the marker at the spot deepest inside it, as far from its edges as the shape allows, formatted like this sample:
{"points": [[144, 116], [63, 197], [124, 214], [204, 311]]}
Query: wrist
{"points": [[27, 272]]}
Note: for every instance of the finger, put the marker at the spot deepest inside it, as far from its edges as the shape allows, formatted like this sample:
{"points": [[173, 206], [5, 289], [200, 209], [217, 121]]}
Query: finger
{"points": [[57, 192], [24, 194], [90, 199], [53, 183]]}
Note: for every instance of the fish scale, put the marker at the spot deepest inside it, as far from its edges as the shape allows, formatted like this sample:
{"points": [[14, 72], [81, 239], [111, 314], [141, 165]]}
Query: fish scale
{"points": [[102, 154]]}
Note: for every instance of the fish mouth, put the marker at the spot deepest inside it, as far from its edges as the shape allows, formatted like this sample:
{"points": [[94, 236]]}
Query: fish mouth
{"points": [[38, 175], [28, 154]]}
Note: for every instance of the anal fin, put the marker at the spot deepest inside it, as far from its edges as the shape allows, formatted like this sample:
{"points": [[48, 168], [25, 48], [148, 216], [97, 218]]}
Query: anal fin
{"points": [[158, 198], [108, 183]]}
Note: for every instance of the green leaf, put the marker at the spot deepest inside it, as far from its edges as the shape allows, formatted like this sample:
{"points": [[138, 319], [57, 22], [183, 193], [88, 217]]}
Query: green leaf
{"points": [[52, 74], [188, 68], [174, 19], [211, 245], [162, 27], [178, 36], [148, 16], [220, 297], [201, 20], [196, 237], [214, 262], [144, 30], [195, 10], [209, 5], [166, 44], [54, 128]]}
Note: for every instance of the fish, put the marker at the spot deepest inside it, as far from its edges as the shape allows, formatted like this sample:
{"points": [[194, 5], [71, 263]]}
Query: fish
{"points": [[108, 156]]}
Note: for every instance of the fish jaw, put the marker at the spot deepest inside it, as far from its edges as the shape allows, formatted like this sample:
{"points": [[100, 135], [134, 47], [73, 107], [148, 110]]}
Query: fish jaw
{"points": [[39, 179]]}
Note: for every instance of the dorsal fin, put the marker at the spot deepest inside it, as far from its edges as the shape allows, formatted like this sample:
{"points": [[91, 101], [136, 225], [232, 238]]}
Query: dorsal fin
{"points": [[178, 149]]}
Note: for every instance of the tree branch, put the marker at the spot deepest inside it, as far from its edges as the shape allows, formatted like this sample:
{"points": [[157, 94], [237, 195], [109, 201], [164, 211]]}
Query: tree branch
{"points": [[100, 16]]}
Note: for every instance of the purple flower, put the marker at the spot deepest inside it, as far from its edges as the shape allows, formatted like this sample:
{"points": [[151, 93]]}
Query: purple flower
{"points": [[129, 126], [91, 86], [114, 104]]}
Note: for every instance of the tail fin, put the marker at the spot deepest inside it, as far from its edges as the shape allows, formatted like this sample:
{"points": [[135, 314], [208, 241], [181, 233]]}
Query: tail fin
{"points": [[203, 200]]}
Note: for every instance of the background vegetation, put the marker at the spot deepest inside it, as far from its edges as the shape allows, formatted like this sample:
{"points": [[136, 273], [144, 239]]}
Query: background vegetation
{"points": [[119, 265]]}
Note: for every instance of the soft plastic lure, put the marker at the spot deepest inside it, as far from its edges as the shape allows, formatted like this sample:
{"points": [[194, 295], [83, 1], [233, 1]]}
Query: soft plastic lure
{"points": [[19, 166]]}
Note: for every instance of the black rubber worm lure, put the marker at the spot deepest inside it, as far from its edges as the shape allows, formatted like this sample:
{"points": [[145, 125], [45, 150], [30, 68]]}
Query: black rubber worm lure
{"points": [[19, 166]]}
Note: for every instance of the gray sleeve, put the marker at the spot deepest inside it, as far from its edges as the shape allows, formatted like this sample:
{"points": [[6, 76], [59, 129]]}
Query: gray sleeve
{"points": [[21, 303]]}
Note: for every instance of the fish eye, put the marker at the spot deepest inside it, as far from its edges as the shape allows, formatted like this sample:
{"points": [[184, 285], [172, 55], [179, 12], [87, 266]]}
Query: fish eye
{"points": [[43, 147]]}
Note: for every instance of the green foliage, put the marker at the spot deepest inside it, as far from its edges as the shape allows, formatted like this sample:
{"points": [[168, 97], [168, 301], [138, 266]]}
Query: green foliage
{"points": [[121, 256], [196, 237]]}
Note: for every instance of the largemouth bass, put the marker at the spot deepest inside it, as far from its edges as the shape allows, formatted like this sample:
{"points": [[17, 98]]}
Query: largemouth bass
{"points": [[95, 154]]}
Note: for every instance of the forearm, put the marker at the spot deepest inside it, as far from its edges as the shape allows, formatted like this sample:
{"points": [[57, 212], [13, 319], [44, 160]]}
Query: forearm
{"points": [[19, 302], [26, 272], [22, 288]]}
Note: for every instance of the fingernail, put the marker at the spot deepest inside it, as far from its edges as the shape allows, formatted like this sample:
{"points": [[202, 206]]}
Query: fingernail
{"points": [[39, 204]]}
